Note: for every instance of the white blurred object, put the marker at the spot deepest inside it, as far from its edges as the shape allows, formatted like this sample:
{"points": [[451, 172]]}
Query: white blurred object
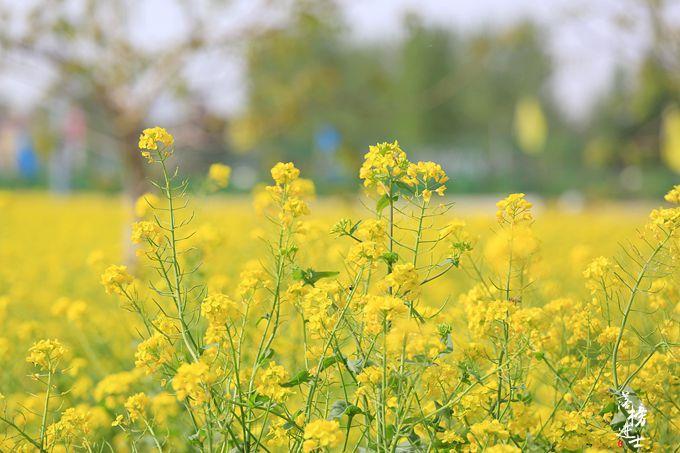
{"points": [[630, 178], [571, 201], [243, 177]]}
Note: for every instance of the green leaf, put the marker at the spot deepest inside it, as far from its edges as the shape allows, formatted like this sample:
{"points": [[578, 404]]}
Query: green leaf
{"points": [[266, 355], [390, 431], [405, 187], [382, 203], [353, 410], [618, 420], [337, 409], [289, 425], [328, 361], [300, 378], [316, 276], [354, 227], [298, 274], [389, 257], [342, 407], [257, 400], [355, 366], [305, 376], [310, 276], [609, 408]]}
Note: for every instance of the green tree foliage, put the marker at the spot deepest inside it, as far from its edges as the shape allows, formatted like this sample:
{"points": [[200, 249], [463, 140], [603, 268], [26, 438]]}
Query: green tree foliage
{"points": [[435, 89]]}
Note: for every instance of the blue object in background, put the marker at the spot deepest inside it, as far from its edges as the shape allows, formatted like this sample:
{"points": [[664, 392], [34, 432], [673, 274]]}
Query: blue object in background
{"points": [[327, 139], [27, 160]]}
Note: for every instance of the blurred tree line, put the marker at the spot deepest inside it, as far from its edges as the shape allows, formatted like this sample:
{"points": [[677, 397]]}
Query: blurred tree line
{"points": [[436, 92], [478, 102], [635, 127]]}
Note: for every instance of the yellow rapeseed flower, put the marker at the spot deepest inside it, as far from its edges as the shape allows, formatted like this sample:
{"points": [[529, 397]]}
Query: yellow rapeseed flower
{"points": [[149, 139], [219, 308], [192, 381], [136, 406], [115, 278], [146, 231], [284, 173], [673, 195], [46, 354], [73, 425], [219, 175], [385, 162], [321, 434], [269, 382], [514, 209], [153, 353]]}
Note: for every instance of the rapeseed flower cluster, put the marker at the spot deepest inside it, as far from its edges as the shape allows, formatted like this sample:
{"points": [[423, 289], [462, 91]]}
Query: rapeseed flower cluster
{"points": [[150, 139], [219, 175], [192, 381], [321, 434], [46, 354], [404, 329], [116, 278]]}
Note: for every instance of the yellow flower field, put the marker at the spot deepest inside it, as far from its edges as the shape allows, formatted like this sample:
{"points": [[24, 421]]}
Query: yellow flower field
{"points": [[398, 322]]}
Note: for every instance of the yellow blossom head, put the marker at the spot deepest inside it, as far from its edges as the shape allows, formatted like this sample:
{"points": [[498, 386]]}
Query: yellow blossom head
{"points": [[269, 380], [321, 434], [153, 353], [73, 425], [284, 173], [673, 196], [136, 406], [514, 209], [149, 139], [219, 174], [192, 381], [219, 308], [385, 163], [146, 231], [46, 354], [115, 279]]}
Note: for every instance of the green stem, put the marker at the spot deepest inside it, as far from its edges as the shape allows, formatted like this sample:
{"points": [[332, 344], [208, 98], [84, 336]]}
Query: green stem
{"points": [[175, 265], [391, 228], [153, 435], [629, 306], [43, 423]]}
